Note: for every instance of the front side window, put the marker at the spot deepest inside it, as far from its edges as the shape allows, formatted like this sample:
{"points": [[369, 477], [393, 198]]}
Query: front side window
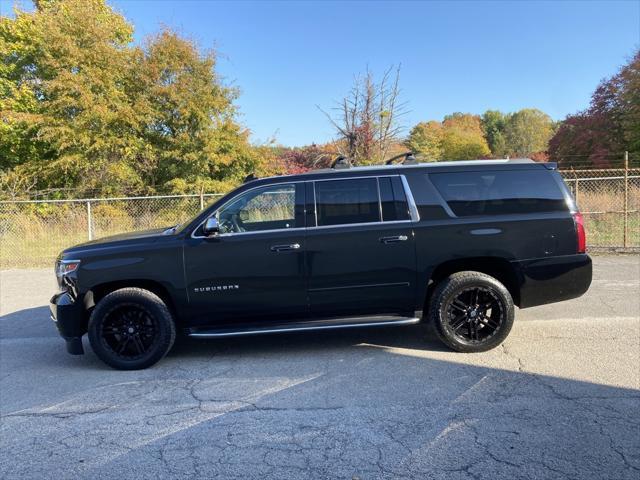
{"points": [[343, 202], [268, 208]]}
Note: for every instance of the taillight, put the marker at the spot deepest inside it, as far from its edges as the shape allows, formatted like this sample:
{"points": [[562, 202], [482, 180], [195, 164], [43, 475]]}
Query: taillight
{"points": [[580, 234]]}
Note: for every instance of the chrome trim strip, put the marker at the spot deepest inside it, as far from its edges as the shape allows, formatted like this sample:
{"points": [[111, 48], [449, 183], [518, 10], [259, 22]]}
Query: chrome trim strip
{"points": [[273, 230], [364, 224], [315, 209], [372, 285], [379, 200], [315, 204], [353, 178], [407, 321], [413, 209]]}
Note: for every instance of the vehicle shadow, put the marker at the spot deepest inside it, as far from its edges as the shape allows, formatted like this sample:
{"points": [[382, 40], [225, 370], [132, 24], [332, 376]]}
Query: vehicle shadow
{"points": [[29, 322], [36, 322], [369, 403], [417, 337]]}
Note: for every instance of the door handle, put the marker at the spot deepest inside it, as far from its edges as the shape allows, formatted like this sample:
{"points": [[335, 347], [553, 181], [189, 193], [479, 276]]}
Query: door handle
{"points": [[395, 239], [285, 248]]}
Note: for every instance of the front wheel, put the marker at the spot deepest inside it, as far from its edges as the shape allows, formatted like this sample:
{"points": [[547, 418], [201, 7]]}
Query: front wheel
{"points": [[471, 312], [131, 329]]}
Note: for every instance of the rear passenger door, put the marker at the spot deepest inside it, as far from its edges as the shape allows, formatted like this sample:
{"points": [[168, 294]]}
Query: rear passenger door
{"points": [[360, 251]]}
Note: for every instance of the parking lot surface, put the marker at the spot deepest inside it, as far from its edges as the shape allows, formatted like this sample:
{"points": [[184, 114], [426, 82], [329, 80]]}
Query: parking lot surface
{"points": [[560, 399]]}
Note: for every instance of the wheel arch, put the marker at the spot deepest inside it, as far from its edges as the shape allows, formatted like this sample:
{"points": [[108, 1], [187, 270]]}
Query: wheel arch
{"points": [[497, 267], [99, 291]]}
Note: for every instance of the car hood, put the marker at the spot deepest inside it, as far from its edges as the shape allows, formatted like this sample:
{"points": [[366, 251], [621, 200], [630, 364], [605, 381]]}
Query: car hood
{"points": [[150, 236]]}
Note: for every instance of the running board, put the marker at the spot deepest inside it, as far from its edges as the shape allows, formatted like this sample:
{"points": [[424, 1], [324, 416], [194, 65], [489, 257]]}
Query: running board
{"points": [[298, 327]]}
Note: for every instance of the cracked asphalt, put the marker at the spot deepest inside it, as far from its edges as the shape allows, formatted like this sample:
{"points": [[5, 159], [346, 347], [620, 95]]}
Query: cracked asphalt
{"points": [[560, 399]]}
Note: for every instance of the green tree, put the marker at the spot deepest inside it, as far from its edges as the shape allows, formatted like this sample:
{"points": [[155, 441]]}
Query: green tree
{"points": [[528, 131], [426, 139], [187, 117], [83, 108], [19, 106], [493, 125]]}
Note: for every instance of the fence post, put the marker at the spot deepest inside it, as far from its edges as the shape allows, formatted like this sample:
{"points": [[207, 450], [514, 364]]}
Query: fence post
{"points": [[89, 222], [202, 199], [626, 199]]}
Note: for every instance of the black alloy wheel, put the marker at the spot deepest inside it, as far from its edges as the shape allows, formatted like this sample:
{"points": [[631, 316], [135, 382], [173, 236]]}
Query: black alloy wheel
{"points": [[129, 331], [131, 328], [471, 311], [475, 314]]}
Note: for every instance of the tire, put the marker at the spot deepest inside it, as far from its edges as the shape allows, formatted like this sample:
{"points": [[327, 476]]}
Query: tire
{"points": [[471, 312], [131, 329]]}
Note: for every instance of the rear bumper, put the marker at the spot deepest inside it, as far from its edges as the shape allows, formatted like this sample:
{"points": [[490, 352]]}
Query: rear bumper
{"points": [[69, 317], [553, 279]]}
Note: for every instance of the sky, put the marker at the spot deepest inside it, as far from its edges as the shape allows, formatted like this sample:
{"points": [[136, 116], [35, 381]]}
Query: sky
{"points": [[287, 58]]}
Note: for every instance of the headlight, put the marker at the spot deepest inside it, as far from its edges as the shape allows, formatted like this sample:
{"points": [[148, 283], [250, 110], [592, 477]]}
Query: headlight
{"points": [[65, 267]]}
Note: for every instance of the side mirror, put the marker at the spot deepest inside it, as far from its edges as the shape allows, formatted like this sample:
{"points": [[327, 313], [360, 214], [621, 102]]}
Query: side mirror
{"points": [[211, 227]]}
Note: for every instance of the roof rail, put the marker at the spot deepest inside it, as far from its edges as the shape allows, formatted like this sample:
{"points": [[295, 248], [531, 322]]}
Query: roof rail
{"points": [[341, 162], [409, 159], [250, 178]]}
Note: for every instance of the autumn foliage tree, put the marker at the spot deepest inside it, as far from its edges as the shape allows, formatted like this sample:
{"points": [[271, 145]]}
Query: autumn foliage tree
{"points": [[426, 139], [294, 160], [611, 124], [527, 132], [82, 108], [458, 137]]}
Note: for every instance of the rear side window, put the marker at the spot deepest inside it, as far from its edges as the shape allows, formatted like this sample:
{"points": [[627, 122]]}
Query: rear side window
{"points": [[499, 193], [393, 199], [341, 202]]}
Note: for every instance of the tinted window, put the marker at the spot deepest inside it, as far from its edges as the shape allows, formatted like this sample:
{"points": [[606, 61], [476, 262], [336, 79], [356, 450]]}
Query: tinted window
{"points": [[267, 208], [495, 193], [340, 202], [393, 199]]}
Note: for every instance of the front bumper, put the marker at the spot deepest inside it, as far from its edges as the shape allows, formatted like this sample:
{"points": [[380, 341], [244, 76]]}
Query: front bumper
{"points": [[553, 279], [70, 319]]}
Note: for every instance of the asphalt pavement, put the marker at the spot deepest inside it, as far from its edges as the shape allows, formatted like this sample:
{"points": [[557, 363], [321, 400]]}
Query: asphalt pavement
{"points": [[560, 399]]}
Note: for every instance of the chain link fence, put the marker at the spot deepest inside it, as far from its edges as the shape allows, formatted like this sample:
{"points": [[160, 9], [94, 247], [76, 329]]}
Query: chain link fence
{"points": [[32, 233], [610, 203]]}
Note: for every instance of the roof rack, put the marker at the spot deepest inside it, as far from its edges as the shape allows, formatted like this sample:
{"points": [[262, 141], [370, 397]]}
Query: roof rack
{"points": [[250, 178], [341, 162], [409, 159]]}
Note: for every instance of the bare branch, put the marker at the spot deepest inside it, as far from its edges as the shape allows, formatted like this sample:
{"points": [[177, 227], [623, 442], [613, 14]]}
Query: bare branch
{"points": [[367, 119]]}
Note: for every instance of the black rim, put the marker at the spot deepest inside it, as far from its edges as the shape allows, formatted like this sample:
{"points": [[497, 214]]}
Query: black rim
{"points": [[129, 331], [474, 315]]}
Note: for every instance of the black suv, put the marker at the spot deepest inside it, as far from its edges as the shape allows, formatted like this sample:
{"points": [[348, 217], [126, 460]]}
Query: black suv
{"points": [[455, 245]]}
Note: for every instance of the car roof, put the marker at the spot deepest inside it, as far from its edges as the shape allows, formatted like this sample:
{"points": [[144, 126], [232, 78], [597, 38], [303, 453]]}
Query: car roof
{"points": [[395, 169]]}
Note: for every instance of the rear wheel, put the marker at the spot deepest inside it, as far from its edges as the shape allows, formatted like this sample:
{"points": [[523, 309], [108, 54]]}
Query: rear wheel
{"points": [[131, 328], [471, 312]]}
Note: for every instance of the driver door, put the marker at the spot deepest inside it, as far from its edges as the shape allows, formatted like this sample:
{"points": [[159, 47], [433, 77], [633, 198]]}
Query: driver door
{"points": [[254, 268]]}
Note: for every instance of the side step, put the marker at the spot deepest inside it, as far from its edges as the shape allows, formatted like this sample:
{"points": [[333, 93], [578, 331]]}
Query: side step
{"points": [[333, 324]]}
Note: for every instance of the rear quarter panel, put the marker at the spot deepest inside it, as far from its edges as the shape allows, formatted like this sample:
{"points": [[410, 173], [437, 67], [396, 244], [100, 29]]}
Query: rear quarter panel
{"points": [[441, 237]]}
